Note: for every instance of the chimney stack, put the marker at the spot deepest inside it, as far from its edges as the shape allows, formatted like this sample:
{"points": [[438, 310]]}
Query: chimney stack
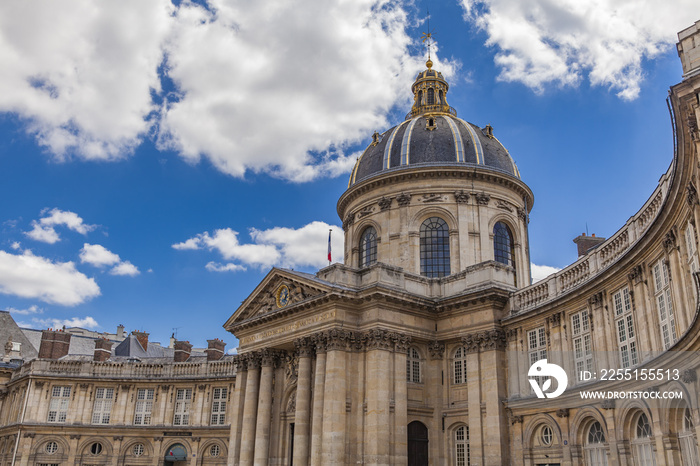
{"points": [[182, 351], [586, 243], [103, 350], [142, 338], [54, 344], [120, 332], [215, 351]]}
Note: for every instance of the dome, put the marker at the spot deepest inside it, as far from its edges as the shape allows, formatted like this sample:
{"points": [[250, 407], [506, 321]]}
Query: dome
{"points": [[432, 135]]}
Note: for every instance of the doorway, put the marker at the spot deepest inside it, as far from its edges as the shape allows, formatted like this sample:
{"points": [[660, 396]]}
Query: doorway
{"points": [[417, 444]]}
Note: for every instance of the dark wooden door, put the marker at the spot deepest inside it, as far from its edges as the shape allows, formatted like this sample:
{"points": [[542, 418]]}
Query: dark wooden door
{"points": [[417, 444]]}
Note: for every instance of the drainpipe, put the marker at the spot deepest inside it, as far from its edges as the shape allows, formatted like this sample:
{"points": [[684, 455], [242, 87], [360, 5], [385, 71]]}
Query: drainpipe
{"points": [[19, 430]]}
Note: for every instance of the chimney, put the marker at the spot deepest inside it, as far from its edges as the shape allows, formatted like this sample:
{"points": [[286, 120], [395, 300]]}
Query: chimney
{"points": [[182, 351], [103, 350], [142, 338], [215, 351], [586, 243], [120, 332], [54, 344]]}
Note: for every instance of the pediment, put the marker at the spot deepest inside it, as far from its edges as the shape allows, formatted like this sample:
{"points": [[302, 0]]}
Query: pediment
{"points": [[279, 290]]}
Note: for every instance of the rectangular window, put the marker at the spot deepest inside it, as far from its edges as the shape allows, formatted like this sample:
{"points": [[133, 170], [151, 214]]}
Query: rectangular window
{"points": [[144, 406], [583, 344], [218, 407], [624, 326], [537, 345], [104, 398], [692, 248], [58, 407], [183, 400], [664, 303]]}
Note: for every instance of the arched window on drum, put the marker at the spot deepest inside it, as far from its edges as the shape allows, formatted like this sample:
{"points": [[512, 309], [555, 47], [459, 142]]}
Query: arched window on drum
{"points": [[503, 244], [368, 247], [434, 248]]}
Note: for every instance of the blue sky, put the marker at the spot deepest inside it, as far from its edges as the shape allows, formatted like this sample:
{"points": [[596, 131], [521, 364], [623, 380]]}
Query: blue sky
{"points": [[157, 159]]}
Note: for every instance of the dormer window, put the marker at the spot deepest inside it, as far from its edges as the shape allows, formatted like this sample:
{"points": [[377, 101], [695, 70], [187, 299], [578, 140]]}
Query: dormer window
{"points": [[430, 124]]}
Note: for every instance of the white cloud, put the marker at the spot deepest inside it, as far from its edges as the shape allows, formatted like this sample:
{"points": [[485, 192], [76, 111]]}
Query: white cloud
{"points": [[30, 276], [540, 272], [16, 245], [230, 267], [232, 351], [25, 312], [242, 72], [542, 42], [125, 268], [97, 255], [45, 234], [84, 322], [43, 230], [278, 246], [65, 63]]}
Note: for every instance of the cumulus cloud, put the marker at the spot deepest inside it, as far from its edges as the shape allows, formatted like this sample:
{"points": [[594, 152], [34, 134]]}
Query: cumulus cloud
{"points": [[237, 72], [249, 70], [540, 272], [279, 246], [542, 42], [16, 245], [229, 267], [30, 276], [82, 322], [125, 268], [99, 256], [44, 229], [65, 63], [25, 312]]}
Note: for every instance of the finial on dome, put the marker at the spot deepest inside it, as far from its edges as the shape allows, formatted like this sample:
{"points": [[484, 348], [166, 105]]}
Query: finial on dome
{"points": [[429, 63]]}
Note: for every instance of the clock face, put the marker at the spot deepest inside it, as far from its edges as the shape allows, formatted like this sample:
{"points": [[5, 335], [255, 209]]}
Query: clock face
{"points": [[282, 296]]}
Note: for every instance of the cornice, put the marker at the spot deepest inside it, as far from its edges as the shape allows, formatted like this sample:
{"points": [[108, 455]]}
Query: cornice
{"points": [[460, 171]]}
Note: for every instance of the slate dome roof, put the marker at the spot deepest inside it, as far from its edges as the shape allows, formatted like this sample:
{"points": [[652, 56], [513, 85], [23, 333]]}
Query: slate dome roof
{"points": [[432, 135]]}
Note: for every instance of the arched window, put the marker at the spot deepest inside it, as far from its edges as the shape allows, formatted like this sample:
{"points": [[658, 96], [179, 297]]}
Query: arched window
{"points": [[643, 452], [594, 447], [434, 248], [431, 96], [687, 440], [462, 453], [368, 247], [419, 100], [413, 366], [460, 365], [503, 244], [442, 97]]}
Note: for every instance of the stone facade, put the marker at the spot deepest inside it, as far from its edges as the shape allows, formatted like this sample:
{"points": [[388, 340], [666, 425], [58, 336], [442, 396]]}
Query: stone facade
{"points": [[375, 362]]}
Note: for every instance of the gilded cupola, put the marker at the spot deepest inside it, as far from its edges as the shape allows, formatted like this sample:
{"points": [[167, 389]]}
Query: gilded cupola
{"points": [[430, 93]]}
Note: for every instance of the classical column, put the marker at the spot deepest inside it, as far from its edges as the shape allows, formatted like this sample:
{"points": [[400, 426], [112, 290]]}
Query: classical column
{"points": [[334, 399], [378, 392], [302, 416], [262, 429], [317, 415], [495, 431], [250, 409], [402, 343], [236, 416], [473, 371]]}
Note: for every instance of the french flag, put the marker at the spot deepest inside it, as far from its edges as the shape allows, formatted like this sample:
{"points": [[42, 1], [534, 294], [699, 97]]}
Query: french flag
{"points": [[329, 247]]}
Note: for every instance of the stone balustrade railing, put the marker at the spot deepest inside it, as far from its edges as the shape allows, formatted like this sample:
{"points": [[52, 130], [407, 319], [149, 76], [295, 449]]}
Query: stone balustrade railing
{"points": [[128, 370], [596, 261]]}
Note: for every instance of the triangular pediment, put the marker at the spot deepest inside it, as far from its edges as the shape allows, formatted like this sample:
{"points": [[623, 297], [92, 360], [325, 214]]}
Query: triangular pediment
{"points": [[280, 289]]}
